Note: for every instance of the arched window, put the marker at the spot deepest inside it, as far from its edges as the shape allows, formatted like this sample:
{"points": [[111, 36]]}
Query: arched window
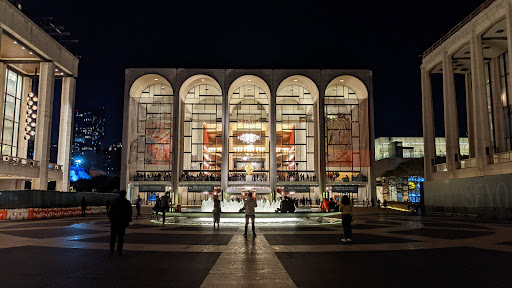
{"points": [[347, 146], [202, 134], [249, 133], [295, 149]]}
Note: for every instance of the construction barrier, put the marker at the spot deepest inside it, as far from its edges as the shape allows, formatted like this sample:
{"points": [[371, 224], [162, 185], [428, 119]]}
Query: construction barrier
{"points": [[48, 213]]}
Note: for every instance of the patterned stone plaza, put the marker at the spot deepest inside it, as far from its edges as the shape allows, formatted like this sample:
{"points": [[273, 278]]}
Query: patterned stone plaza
{"points": [[390, 249]]}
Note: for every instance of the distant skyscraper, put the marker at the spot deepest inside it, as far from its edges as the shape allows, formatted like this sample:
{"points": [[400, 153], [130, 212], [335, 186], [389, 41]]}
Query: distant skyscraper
{"points": [[88, 138], [113, 159]]}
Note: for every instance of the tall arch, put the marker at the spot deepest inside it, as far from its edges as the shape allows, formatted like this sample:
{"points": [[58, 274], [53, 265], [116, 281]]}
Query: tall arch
{"points": [[346, 131], [295, 129], [151, 130], [249, 128]]}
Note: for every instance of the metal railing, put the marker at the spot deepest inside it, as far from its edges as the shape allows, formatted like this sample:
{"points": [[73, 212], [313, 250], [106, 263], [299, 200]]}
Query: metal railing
{"points": [[440, 167], [14, 160], [502, 157], [467, 163], [457, 27]]}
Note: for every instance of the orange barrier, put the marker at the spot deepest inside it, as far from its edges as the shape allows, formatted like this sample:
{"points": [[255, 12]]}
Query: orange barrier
{"points": [[48, 213]]}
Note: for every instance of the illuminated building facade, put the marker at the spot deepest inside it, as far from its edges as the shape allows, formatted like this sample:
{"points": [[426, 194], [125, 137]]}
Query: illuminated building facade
{"points": [[194, 132]]}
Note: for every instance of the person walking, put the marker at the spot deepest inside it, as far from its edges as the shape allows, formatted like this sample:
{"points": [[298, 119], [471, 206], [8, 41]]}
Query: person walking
{"points": [[120, 216], [137, 206], [216, 211], [166, 204], [83, 204], [346, 218], [250, 213]]}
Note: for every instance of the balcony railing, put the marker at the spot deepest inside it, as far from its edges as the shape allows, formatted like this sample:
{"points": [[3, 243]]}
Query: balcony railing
{"points": [[440, 167], [467, 163], [502, 157], [14, 160]]}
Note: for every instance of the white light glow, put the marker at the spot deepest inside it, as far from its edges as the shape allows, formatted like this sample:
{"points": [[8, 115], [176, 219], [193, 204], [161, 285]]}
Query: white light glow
{"points": [[249, 138]]}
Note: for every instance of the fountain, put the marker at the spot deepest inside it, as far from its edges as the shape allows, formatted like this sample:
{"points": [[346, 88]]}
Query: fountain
{"points": [[235, 206]]}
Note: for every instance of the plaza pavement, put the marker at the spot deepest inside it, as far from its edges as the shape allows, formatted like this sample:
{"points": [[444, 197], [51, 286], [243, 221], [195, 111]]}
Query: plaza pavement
{"points": [[390, 249]]}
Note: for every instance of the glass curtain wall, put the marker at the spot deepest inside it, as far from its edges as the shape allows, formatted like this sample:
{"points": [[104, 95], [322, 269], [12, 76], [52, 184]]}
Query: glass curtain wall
{"points": [[342, 139], [249, 134], [154, 134], [295, 134], [203, 134], [12, 104]]}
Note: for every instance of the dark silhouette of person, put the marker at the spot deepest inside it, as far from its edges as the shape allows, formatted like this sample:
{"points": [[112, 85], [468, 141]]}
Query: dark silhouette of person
{"points": [[137, 206], [83, 204], [250, 213], [346, 218], [158, 206], [216, 211], [107, 205], [166, 204], [373, 202], [120, 216]]}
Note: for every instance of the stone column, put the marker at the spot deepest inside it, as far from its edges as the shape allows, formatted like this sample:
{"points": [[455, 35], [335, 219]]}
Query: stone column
{"points": [[225, 142], [22, 143], [44, 123], [480, 109], [176, 116], [66, 124], [273, 144], [469, 111], [320, 122], [181, 137], [428, 123], [450, 115], [317, 136], [3, 71], [497, 107]]}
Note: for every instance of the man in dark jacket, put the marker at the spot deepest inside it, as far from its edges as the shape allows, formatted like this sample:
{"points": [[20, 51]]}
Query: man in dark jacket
{"points": [[120, 216]]}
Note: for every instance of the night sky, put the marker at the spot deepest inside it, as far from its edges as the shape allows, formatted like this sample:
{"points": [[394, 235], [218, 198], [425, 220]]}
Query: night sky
{"points": [[384, 36]]}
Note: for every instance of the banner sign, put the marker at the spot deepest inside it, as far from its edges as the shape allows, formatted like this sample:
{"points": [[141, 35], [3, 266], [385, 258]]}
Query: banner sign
{"points": [[344, 188], [200, 188], [152, 188], [296, 188]]}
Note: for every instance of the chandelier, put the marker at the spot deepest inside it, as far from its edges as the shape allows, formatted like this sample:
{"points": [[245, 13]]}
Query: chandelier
{"points": [[249, 138]]}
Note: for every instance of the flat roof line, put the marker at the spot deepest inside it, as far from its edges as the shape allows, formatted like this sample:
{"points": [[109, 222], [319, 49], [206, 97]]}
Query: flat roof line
{"points": [[457, 27]]}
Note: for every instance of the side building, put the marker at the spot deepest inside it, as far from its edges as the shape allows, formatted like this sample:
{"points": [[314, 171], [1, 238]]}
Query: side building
{"points": [[275, 132], [477, 51], [30, 61]]}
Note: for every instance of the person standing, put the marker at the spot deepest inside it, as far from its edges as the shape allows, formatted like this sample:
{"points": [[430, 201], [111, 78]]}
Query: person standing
{"points": [[346, 218], [158, 206], [120, 216], [373, 203], [216, 211], [378, 203], [137, 206], [83, 204], [166, 204], [107, 205], [250, 213]]}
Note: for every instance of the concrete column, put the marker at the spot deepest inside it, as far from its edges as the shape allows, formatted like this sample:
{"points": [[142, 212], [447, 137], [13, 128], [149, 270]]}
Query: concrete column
{"points": [[469, 111], [225, 142], [480, 108], [181, 138], [22, 143], [317, 135], [44, 123], [497, 107], [273, 144], [66, 124], [450, 114], [3, 71], [320, 122], [508, 24], [428, 123], [175, 144]]}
